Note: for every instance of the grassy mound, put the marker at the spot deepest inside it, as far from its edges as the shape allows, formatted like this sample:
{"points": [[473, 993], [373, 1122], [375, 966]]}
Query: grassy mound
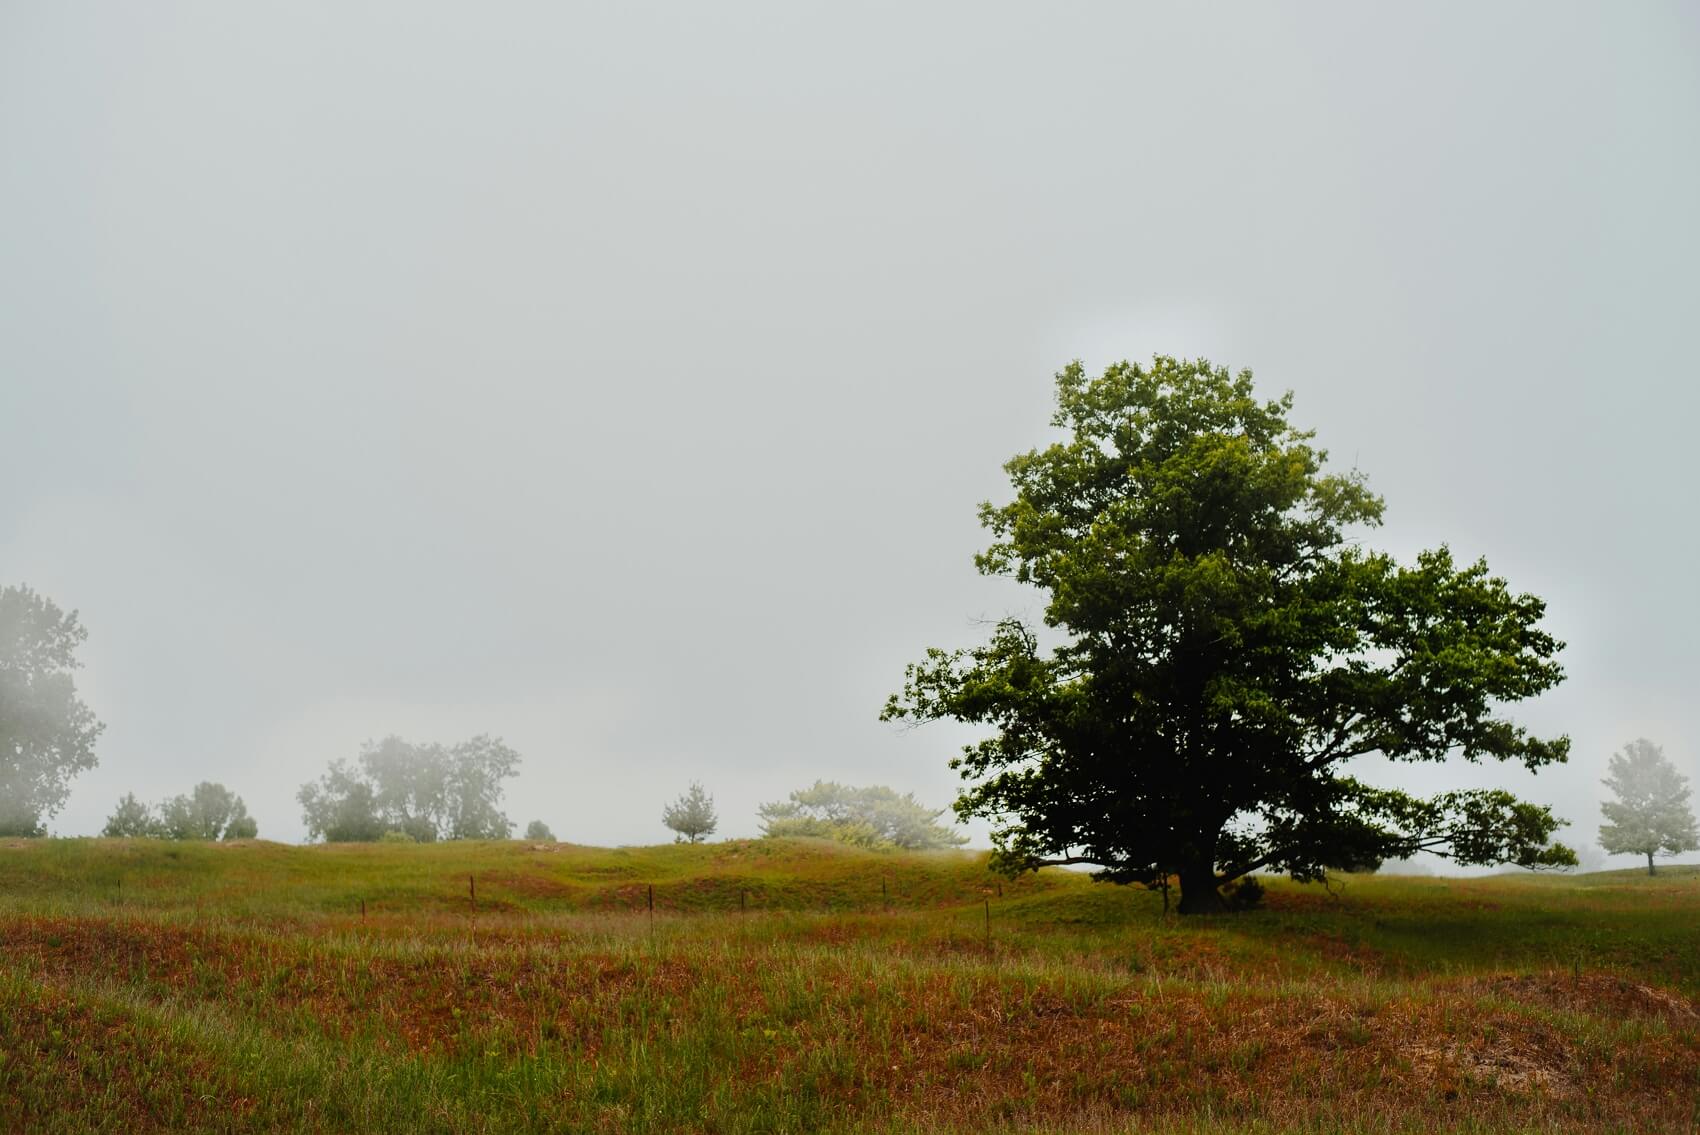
{"points": [[803, 986]]}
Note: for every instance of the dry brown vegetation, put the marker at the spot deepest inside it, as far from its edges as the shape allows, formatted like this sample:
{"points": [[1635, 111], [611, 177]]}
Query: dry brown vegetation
{"points": [[1080, 1007]]}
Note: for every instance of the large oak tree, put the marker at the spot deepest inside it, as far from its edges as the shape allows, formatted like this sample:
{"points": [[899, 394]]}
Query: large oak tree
{"points": [[1220, 647]]}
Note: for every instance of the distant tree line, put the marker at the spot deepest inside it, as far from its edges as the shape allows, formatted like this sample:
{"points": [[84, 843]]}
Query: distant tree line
{"points": [[211, 811], [422, 792]]}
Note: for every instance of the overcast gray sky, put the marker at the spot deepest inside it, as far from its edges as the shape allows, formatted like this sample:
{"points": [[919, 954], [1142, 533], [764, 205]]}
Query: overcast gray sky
{"points": [[621, 379]]}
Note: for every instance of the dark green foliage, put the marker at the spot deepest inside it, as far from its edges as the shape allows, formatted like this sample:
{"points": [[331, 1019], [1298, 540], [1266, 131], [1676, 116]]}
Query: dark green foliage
{"points": [[1651, 815], [47, 734], [1220, 648], [875, 816], [427, 792], [539, 831], [691, 815]]}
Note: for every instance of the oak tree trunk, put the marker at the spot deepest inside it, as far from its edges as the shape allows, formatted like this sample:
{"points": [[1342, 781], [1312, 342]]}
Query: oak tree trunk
{"points": [[1199, 891]]}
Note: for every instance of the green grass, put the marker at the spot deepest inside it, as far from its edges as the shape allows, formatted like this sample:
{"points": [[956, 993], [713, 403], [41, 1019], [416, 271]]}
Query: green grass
{"points": [[803, 986]]}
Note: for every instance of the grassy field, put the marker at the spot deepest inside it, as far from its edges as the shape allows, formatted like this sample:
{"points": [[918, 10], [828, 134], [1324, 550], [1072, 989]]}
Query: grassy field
{"points": [[800, 986]]}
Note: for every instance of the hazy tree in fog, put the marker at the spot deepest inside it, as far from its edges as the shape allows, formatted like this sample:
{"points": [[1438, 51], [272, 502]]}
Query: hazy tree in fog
{"points": [[340, 807], [131, 818], [410, 785], [474, 789], [539, 831], [211, 811], [1651, 815], [875, 816], [47, 734], [425, 791], [691, 815]]}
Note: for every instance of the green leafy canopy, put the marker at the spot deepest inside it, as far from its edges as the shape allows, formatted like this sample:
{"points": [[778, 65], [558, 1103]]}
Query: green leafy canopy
{"points": [[1225, 649]]}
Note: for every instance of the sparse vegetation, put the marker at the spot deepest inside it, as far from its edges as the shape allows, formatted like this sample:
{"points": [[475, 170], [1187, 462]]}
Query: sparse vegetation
{"points": [[786, 985]]}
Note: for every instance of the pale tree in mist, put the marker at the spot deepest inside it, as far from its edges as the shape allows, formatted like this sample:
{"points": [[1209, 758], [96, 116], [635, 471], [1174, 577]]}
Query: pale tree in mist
{"points": [[210, 812], [131, 818], [47, 734], [539, 832], [875, 816], [1651, 815], [425, 792], [691, 815]]}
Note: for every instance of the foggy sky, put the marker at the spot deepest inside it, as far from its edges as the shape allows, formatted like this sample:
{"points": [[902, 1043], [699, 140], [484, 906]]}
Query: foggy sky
{"points": [[621, 380]]}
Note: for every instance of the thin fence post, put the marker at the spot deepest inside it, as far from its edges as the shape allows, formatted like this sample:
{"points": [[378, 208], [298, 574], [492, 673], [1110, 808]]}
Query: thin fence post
{"points": [[362, 910], [885, 896], [472, 890], [988, 924], [743, 900]]}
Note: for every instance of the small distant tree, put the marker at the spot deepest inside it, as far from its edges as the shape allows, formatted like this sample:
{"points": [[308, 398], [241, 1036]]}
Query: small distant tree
{"points": [[426, 791], [539, 831], [47, 734], [691, 815], [875, 816], [1651, 815], [131, 818]]}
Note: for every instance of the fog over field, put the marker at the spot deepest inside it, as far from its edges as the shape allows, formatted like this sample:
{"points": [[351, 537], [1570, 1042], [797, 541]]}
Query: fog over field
{"points": [[622, 382]]}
